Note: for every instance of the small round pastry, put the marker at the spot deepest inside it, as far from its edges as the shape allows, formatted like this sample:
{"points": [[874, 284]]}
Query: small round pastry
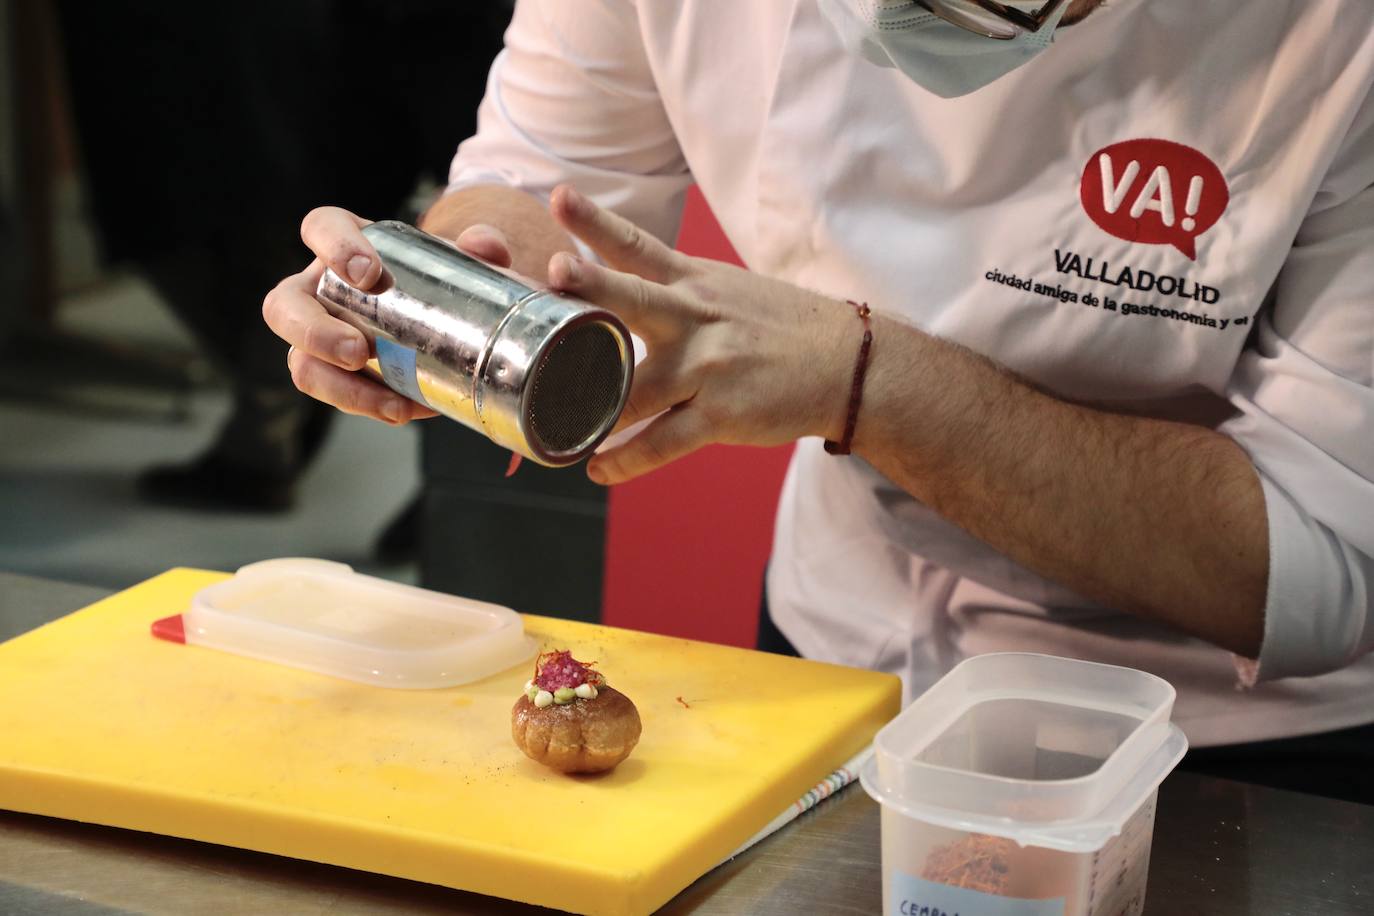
{"points": [[570, 720]]}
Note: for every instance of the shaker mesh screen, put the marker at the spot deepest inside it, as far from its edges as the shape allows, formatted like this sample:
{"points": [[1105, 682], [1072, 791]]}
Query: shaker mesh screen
{"points": [[576, 388]]}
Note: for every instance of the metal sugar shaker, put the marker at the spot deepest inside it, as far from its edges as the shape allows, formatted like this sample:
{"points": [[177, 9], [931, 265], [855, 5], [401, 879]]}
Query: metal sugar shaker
{"points": [[542, 374]]}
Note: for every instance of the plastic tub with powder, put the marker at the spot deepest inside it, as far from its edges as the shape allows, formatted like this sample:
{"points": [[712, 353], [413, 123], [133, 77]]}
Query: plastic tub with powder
{"points": [[1023, 785]]}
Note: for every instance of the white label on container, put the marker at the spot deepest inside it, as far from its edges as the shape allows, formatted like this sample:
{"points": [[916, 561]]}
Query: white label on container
{"points": [[913, 896]]}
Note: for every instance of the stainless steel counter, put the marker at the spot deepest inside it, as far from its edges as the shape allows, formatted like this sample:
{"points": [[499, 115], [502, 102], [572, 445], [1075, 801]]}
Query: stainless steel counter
{"points": [[1220, 848]]}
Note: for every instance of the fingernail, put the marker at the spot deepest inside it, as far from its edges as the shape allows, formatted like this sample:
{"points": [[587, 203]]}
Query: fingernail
{"points": [[573, 265], [357, 268], [349, 352], [576, 202], [394, 410], [596, 474]]}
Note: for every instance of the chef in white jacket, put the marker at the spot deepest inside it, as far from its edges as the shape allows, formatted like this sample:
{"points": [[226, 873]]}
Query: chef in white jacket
{"points": [[1110, 396]]}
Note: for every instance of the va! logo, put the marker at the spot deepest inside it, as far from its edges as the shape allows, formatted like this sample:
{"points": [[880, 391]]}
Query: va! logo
{"points": [[1155, 192]]}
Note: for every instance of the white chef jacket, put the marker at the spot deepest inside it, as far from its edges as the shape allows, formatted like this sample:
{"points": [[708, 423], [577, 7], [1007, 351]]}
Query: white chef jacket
{"points": [[971, 218]]}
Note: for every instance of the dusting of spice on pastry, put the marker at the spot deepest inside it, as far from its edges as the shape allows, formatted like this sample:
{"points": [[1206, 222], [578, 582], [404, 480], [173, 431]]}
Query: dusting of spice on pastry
{"points": [[570, 719]]}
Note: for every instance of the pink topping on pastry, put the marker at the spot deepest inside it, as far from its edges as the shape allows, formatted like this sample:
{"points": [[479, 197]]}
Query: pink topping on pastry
{"points": [[559, 669]]}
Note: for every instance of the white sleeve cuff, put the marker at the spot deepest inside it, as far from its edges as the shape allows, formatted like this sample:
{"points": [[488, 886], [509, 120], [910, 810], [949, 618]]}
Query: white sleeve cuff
{"points": [[1317, 615]]}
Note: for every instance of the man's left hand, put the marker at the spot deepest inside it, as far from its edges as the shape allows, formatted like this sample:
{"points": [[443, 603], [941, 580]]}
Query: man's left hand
{"points": [[733, 356]]}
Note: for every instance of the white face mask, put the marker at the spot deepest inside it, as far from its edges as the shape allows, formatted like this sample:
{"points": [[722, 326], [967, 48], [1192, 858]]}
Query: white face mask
{"points": [[943, 58]]}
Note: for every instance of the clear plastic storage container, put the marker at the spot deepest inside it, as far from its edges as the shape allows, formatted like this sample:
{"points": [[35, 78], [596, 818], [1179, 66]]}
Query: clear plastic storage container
{"points": [[324, 617], [1023, 785]]}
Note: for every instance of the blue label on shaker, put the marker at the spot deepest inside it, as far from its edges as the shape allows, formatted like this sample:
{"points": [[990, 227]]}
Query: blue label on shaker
{"points": [[912, 896], [398, 369]]}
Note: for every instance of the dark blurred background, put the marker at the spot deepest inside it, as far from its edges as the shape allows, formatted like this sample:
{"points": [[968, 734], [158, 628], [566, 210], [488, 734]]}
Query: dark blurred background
{"points": [[157, 161]]}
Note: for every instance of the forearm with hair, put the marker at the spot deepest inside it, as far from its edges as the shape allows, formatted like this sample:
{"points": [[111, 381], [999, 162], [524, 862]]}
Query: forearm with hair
{"points": [[1156, 518], [533, 235]]}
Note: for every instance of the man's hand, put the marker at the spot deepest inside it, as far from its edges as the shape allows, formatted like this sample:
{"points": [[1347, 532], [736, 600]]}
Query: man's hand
{"points": [[1152, 517], [326, 352], [733, 356]]}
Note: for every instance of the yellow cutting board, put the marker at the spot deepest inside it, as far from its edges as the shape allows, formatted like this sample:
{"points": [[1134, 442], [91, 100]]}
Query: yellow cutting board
{"points": [[100, 722]]}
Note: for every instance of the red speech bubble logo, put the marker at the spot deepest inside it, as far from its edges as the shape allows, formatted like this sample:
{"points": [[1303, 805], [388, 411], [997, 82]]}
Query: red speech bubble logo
{"points": [[1155, 192]]}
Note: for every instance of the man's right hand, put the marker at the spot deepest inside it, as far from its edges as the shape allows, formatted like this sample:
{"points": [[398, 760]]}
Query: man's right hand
{"points": [[326, 353]]}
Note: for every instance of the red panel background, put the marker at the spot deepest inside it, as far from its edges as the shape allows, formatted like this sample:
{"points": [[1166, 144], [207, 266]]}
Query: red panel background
{"points": [[686, 545]]}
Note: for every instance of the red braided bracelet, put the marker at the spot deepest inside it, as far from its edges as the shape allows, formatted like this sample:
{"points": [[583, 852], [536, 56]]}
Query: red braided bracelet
{"points": [[856, 392]]}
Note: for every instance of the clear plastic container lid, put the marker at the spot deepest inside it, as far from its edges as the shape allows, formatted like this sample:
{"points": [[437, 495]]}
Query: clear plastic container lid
{"points": [[324, 617], [1047, 751]]}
